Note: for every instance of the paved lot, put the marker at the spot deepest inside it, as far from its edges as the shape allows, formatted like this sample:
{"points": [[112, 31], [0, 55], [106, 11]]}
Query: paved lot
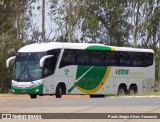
{"points": [[21, 104]]}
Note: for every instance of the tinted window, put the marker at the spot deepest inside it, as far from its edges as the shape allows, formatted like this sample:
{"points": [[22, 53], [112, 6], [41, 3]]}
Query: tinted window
{"points": [[142, 59], [148, 59], [106, 58], [97, 58], [82, 57], [50, 63], [138, 60], [68, 58], [125, 59], [111, 58]]}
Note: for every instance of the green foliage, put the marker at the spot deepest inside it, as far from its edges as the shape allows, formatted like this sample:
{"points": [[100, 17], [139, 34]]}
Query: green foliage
{"points": [[9, 40], [157, 59], [114, 22]]}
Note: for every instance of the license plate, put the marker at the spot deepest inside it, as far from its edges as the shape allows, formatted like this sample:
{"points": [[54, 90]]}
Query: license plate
{"points": [[23, 91]]}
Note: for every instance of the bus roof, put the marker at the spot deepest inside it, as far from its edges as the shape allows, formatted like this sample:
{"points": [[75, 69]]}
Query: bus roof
{"points": [[45, 46]]}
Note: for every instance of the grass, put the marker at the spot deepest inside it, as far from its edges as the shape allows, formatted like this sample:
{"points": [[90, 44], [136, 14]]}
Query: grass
{"points": [[136, 95], [148, 94]]}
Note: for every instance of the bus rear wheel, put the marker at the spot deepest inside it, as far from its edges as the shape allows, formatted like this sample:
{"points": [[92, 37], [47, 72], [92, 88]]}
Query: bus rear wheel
{"points": [[133, 89], [122, 90]]}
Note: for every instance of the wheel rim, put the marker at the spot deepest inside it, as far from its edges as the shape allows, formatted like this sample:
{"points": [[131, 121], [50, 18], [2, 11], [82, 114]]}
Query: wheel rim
{"points": [[131, 91], [121, 92]]}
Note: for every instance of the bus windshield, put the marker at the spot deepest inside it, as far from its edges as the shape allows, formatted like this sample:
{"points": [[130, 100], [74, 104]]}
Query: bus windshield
{"points": [[27, 67]]}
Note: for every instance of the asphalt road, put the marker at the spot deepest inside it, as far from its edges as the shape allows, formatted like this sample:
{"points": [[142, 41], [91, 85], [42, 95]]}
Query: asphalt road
{"points": [[82, 105], [78, 102]]}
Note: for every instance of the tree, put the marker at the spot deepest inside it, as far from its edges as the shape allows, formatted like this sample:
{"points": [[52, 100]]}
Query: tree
{"points": [[65, 15], [11, 36], [104, 21]]}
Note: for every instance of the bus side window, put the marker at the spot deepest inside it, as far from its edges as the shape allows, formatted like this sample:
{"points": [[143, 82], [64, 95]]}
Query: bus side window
{"points": [[82, 57], [125, 59], [48, 67], [111, 59], [68, 58], [55, 53], [148, 59], [138, 59], [79, 60], [97, 58]]}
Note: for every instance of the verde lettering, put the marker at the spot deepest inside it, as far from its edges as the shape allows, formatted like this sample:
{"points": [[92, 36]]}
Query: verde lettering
{"points": [[122, 71]]}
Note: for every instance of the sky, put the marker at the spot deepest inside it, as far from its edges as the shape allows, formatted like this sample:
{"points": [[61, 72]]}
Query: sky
{"points": [[37, 18], [51, 28]]}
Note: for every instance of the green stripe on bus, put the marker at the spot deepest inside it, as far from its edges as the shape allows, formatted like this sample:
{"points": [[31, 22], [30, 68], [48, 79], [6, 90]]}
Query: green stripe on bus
{"points": [[96, 47], [92, 79], [94, 74]]}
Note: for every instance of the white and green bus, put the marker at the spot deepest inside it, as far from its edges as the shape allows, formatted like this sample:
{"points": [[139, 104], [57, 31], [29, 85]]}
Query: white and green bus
{"points": [[78, 68]]}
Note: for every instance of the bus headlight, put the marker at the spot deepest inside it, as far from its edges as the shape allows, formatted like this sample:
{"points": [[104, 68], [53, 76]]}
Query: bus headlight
{"points": [[36, 83], [14, 83]]}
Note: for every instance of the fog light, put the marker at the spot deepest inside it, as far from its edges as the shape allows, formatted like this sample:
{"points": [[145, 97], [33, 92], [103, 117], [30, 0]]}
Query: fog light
{"points": [[13, 91], [37, 90]]}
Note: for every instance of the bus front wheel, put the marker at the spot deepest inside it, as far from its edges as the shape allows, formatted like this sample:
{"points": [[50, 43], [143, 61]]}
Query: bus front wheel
{"points": [[33, 96], [97, 96], [59, 91]]}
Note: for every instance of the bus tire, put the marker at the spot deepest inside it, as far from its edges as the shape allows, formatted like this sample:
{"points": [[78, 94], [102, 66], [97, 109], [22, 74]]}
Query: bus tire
{"points": [[133, 89], [59, 91], [33, 96], [122, 90]]}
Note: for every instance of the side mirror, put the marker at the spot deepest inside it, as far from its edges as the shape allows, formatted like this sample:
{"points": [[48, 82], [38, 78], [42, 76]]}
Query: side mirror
{"points": [[8, 60], [41, 63]]}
